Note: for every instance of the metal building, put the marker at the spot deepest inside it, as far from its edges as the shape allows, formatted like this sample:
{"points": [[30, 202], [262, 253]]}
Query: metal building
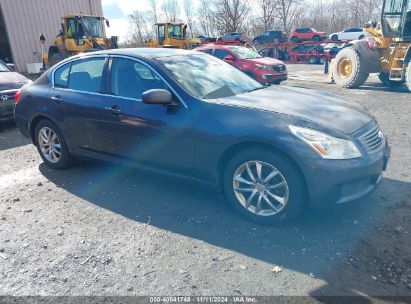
{"points": [[23, 21]]}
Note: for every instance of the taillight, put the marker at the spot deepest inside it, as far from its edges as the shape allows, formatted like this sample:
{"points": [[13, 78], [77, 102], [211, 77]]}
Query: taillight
{"points": [[17, 97]]}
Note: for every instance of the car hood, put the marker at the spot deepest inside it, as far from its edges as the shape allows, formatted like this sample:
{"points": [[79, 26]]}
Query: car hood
{"points": [[266, 61], [11, 81], [328, 110]]}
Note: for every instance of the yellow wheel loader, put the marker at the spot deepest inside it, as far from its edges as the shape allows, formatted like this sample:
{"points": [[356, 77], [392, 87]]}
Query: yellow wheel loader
{"points": [[173, 35], [387, 52], [79, 33]]}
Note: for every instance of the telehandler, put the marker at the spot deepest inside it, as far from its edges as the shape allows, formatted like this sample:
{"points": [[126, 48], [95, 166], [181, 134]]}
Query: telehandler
{"points": [[79, 33], [387, 53]]}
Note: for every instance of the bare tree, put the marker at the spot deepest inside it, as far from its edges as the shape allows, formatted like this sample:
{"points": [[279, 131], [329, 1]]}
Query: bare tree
{"points": [[171, 9], [204, 17], [230, 15], [189, 11], [139, 29], [289, 11], [153, 5], [268, 13]]}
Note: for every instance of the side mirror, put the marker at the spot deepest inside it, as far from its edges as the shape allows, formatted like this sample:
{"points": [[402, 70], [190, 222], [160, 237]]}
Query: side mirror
{"points": [[229, 58], [157, 96]]}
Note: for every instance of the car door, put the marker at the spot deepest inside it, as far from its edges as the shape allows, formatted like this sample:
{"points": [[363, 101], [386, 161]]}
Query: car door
{"points": [[153, 135], [76, 90]]}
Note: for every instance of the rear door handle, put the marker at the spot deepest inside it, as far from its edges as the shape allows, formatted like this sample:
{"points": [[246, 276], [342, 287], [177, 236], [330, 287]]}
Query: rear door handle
{"points": [[114, 110]]}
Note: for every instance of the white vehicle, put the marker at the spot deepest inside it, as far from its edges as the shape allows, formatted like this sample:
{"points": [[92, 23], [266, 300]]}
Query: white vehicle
{"points": [[350, 34]]}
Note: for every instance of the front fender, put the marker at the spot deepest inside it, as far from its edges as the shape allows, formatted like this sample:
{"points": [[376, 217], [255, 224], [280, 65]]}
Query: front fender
{"points": [[370, 57]]}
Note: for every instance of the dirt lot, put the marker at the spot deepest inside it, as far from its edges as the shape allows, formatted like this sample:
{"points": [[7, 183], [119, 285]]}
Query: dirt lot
{"points": [[99, 229]]}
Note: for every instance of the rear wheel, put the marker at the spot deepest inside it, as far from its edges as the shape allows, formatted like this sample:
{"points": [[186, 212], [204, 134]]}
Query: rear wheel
{"points": [[361, 37], [52, 146], [323, 59], [316, 38], [334, 37], [294, 39], [55, 58], [348, 70], [312, 60], [385, 79], [264, 186]]}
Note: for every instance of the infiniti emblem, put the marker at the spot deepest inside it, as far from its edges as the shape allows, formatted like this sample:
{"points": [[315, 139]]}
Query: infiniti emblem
{"points": [[4, 97], [380, 134]]}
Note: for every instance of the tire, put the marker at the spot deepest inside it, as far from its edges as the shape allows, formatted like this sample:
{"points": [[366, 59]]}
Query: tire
{"points": [[354, 77], [65, 160], [55, 58], [317, 38], [294, 39], [408, 76], [237, 40], [385, 79], [219, 40], [312, 59], [334, 38], [292, 192], [323, 60], [361, 37]]}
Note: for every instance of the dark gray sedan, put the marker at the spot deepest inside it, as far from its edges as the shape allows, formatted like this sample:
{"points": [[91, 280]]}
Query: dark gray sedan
{"points": [[272, 150]]}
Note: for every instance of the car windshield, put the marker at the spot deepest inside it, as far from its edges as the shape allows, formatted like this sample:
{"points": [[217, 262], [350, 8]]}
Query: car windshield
{"points": [[4, 68], [244, 53], [207, 77]]}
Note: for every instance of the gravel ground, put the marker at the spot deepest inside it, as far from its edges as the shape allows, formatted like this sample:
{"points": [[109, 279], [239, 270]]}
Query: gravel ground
{"points": [[100, 229]]}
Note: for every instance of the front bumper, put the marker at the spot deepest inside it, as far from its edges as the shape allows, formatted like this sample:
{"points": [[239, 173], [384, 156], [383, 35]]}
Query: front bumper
{"points": [[334, 182], [267, 77], [7, 109]]}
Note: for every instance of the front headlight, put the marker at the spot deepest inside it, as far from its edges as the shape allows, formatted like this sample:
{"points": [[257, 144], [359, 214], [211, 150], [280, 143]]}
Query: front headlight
{"points": [[329, 147], [263, 67]]}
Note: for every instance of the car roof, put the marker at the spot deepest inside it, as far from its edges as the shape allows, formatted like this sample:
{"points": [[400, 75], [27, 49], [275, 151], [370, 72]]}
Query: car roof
{"points": [[142, 52]]}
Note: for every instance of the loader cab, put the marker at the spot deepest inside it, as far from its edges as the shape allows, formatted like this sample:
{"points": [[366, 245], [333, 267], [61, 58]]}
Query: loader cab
{"points": [[170, 31], [396, 19], [81, 27]]}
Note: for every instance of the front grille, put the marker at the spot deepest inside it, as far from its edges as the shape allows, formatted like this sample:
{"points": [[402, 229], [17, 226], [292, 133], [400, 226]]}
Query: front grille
{"points": [[279, 68], [7, 96], [373, 139]]}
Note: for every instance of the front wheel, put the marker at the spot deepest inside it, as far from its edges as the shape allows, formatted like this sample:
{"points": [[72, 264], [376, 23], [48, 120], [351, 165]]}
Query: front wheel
{"points": [[264, 186], [317, 38], [294, 39], [334, 38], [348, 69], [312, 60], [51, 145]]}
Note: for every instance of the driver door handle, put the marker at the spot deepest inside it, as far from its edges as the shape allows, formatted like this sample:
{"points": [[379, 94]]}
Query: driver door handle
{"points": [[113, 109]]}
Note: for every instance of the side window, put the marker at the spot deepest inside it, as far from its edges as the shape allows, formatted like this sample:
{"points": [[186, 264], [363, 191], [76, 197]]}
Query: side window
{"points": [[131, 79], [86, 75], [221, 54], [61, 76], [207, 51]]}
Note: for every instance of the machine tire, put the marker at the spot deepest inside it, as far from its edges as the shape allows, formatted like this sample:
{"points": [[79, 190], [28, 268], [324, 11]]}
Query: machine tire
{"points": [[355, 76], [408, 76], [334, 37], [312, 59], [55, 58], [385, 79]]}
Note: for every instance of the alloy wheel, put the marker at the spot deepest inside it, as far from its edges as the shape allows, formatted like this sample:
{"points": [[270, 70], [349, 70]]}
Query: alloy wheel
{"points": [[49, 144], [260, 188]]}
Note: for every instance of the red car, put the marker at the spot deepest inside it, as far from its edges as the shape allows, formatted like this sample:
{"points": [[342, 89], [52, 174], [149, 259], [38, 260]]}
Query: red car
{"points": [[307, 34], [263, 69]]}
